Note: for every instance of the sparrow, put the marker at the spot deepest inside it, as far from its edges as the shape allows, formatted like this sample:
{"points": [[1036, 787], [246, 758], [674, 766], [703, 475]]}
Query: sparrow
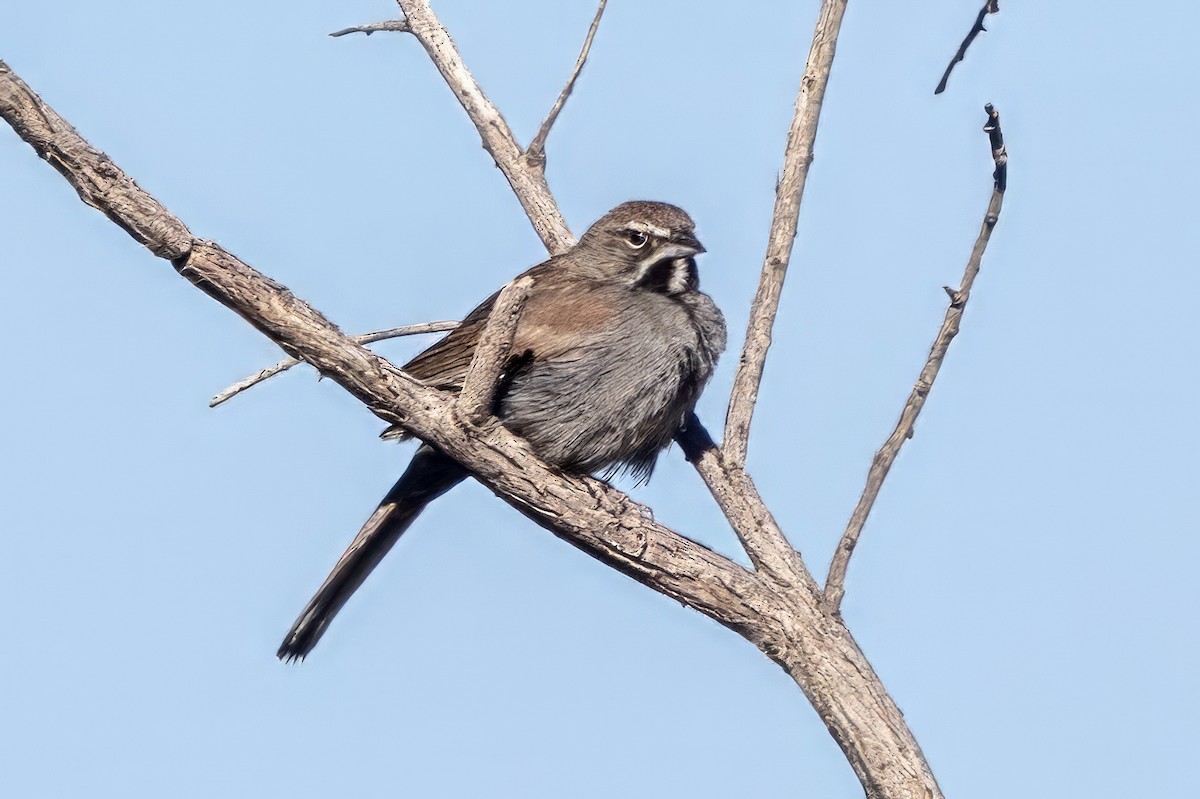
{"points": [[612, 349]]}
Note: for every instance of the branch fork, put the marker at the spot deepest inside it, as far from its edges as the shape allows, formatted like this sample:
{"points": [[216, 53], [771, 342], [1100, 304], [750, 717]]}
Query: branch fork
{"points": [[778, 606]]}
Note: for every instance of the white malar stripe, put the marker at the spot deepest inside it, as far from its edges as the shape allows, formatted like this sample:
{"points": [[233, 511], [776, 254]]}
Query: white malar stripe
{"points": [[678, 282]]}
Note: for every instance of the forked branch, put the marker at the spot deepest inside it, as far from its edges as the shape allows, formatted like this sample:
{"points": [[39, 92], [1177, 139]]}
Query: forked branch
{"points": [[587, 512], [536, 151], [835, 583], [751, 520], [253, 380], [527, 180], [778, 609]]}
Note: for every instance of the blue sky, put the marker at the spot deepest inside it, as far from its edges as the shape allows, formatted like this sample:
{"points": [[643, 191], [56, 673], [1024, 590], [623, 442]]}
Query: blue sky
{"points": [[1025, 586]]}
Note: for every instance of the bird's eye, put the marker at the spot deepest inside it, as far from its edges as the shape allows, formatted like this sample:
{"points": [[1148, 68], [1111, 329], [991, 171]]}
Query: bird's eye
{"points": [[636, 239]]}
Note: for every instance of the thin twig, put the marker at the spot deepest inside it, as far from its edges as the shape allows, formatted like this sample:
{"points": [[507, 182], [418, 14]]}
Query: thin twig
{"points": [[287, 363], [989, 7], [400, 25], [527, 180], [492, 352], [886, 456], [788, 193], [536, 151]]}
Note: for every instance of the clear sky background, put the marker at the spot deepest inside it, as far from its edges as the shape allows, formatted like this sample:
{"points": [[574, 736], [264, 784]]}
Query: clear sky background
{"points": [[1026, 586]]}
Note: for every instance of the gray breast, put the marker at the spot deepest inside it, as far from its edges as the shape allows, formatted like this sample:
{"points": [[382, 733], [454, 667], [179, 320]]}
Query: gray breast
{"points": [[616, 398]]}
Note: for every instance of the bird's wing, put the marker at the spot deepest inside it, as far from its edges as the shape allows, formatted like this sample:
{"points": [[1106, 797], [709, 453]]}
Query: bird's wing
{"points": [[444, 365]]}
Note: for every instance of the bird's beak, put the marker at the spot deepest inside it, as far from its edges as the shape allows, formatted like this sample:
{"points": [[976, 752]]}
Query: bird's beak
{"points": [[681, 245]]}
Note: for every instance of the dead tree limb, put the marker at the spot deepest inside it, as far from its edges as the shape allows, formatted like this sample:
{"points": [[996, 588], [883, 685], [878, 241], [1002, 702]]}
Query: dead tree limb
{"points": [[786, 621], [835, 582], [536, 151], [761, 537], [526, 177], [616, 524]]}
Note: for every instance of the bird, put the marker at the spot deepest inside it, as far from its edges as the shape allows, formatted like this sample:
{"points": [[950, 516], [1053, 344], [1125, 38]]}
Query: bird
{"points": [[612, 348]]}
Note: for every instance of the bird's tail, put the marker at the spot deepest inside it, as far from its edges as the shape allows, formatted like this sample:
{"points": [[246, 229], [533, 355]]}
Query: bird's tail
{"points": [[428, 476]]}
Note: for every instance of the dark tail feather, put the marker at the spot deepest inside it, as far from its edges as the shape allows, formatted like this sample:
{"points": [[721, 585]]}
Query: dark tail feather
{"points": [[428, 476]]}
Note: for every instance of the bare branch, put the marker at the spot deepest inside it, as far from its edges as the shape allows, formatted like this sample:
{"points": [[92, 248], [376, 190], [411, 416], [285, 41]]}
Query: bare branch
{"points": [[536, 151], [786, 623], [253, 380], [796, 160], [886, 456], [764, 542], [587, 512], [989, 7], [400, 25], [492, 352], [526, 178], [94, 176]]}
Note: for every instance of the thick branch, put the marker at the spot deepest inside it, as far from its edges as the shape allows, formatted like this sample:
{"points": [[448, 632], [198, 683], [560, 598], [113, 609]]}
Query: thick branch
{"points": [[789, 625], [816, 650], [588, 513], [527, 179], [796, 160], [536, 151], [492, 352], [886, 456], [253, 380], [989, 7], [97, 179]]}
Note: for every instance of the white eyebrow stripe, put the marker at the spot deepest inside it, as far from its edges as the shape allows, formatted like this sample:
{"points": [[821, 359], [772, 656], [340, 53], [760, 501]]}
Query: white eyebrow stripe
{"points": [[653, 230]]}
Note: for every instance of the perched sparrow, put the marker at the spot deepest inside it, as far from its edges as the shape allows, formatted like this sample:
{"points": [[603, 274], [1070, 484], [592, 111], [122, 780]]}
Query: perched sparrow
{"points": [[612, 349]]}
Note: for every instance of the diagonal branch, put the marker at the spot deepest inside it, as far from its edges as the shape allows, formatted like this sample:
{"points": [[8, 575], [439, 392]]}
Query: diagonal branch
{"points": [[787, 623], [524, 174], [526, 178], [989, 7], [756, 529], [536, 151], [796, 160], [886, 456], [492, 352], [253, 380], [586, 512]]}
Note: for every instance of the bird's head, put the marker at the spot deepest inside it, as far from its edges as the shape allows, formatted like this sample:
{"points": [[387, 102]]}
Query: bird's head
{"points": [[650, 245]]}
